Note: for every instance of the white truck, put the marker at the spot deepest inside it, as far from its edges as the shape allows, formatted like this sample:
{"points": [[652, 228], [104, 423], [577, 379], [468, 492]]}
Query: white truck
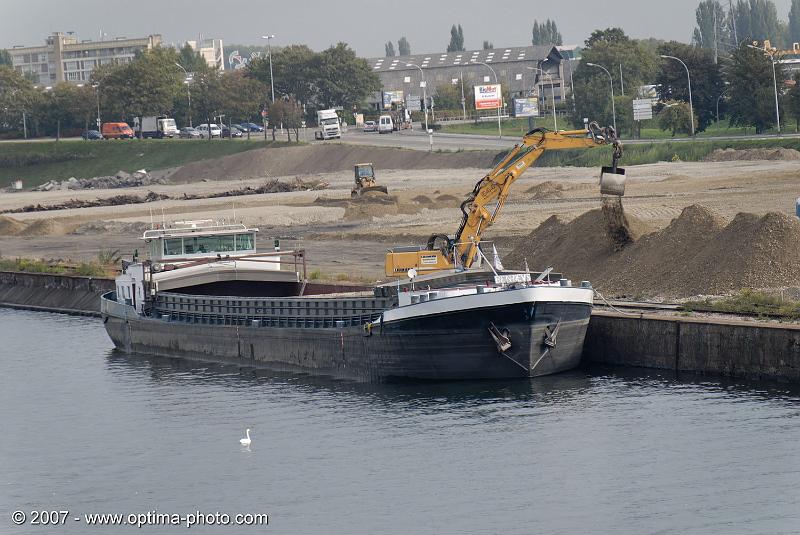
{"points": [[156, 127], [328, 123]]}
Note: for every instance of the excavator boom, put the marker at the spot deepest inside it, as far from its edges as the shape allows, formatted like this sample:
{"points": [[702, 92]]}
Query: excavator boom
{"points": [[483, 205]]}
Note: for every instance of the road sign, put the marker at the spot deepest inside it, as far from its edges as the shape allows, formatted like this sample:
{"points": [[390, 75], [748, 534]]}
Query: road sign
{"points": [[642, 109]]}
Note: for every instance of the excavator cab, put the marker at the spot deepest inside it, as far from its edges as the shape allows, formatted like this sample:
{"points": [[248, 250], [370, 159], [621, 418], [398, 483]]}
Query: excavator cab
{"points": [[365, 181]]}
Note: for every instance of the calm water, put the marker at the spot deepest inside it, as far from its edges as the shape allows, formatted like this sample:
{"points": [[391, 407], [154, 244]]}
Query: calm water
{"points": [[89, 430]]}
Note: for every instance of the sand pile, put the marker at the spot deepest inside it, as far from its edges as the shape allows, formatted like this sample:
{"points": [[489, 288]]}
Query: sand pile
{"points": [[10, 226], [546, 190], [696, 254], [369, 206], [44, 227], [733, 155]]}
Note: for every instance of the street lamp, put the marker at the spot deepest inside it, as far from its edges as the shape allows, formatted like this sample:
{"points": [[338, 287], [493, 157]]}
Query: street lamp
{"points": [[96, 87], [718, 99], [424, 85], [771, 54], [269, 53], [188, 92], [611, 82], [552, 94], [500, 103], [689, 79]]}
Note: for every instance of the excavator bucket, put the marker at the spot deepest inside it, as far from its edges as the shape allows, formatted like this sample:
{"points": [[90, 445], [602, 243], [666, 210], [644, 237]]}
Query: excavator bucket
{"points": [[612, 181]]}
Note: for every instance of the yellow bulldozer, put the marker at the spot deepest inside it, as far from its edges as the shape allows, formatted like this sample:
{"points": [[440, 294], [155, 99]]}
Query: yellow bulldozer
{"points": [[365, 181]]}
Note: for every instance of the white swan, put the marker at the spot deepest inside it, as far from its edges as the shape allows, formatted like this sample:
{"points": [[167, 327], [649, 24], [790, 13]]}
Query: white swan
{"points": [[245, 441]]}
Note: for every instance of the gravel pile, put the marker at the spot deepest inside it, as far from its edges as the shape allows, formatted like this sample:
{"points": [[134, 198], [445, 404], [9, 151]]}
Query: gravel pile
{"points": [[734, 155], [697, 254], [120, 180]]}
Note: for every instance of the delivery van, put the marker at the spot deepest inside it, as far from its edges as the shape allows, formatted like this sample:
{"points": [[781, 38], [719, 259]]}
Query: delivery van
{"points": [[385, 124], [117, 131]]}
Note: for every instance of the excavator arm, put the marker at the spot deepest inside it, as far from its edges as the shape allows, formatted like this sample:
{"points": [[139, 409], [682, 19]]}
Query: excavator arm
{"points": [[483, 205]]}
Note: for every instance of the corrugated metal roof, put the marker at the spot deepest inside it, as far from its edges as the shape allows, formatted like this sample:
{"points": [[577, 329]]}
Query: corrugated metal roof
{"points": [[450, 59]]}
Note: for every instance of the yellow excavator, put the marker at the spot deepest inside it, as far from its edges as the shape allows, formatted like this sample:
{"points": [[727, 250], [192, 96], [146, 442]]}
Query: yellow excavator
{"points": [[483, 205], [365, 181]]}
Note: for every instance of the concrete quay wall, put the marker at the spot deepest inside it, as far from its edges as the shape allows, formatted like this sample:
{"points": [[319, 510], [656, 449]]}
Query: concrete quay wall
{"points": [[57, 293], [718, 346]]}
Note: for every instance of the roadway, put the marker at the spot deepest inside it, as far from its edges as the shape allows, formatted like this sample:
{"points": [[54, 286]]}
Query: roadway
{"points": [[418, 140]]}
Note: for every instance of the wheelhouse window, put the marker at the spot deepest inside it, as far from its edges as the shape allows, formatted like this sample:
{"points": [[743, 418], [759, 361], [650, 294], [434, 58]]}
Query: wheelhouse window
{"points": [[173, 246], [210, 244], [244, 242]]}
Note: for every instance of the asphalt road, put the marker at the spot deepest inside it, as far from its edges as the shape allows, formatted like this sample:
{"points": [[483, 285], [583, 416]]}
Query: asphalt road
{"points": [[418, 140]]}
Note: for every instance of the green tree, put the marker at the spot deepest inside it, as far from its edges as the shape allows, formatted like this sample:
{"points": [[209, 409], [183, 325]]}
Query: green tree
{"points": [[487, 45], [546, 33], [674, 116], [707, 84], [190, 59], [288, 112], [794, 22], [17, 95], [342, 79], [757, 20], [403, 47], [208, 94], [5, 57], [712, 25], [448, 97], [389, 47], [456, 39], [68, 106], [610, 36], [610, 49], [146, 86], [293, 72], [242, 96], [751, 95], [793, 102]]}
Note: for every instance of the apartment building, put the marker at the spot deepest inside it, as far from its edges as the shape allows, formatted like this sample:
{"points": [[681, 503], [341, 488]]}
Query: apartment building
{"points": [[63, 58]]}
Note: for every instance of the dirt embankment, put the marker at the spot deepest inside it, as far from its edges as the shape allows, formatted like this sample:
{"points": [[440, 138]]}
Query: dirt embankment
{"points": [[699, 253], [331, 158], [736, 155]]}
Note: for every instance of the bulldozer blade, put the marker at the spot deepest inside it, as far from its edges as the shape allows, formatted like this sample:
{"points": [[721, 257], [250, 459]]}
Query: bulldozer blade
{"points": [[612, 181]]}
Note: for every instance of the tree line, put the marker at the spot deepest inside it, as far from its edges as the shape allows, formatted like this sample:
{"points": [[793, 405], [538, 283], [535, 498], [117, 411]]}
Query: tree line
{"points": [[155, 83]]}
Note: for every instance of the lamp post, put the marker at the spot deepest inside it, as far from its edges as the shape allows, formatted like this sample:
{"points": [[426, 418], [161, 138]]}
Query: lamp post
{"points": [[188, 92], [718, 99], [771, 55], [96, 87], [269, 53], [424, 85], [689, 79], [611, 83], [552, 94], [500, 103]]}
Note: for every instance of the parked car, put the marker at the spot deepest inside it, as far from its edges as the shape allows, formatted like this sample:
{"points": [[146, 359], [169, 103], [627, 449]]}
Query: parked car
{"points": [[92, 134], [188, 132], [117, 131], [230, 131], [370, 126], [254, 127], [205, 130]]}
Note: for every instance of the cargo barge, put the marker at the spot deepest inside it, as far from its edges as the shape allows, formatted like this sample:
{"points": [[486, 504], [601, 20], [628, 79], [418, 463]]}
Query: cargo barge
{"points": [[206, 293]]}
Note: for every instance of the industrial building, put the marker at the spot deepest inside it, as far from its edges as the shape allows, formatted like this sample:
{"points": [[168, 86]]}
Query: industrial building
{"points": [[530, 70]]}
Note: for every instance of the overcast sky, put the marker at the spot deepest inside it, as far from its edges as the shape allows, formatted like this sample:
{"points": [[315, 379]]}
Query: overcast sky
{"points": [[365, 24]]}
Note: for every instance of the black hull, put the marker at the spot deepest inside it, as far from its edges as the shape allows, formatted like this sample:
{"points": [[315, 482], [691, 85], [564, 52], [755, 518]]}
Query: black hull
{"points": [[452, 346]]}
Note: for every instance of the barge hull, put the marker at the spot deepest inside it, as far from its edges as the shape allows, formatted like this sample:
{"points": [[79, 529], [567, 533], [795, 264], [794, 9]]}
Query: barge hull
{"points": [[452, 346]]}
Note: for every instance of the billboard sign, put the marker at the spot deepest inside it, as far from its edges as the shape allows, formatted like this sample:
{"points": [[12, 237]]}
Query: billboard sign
{"points": [[392, 97], [526, 107], [488, 97]]}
